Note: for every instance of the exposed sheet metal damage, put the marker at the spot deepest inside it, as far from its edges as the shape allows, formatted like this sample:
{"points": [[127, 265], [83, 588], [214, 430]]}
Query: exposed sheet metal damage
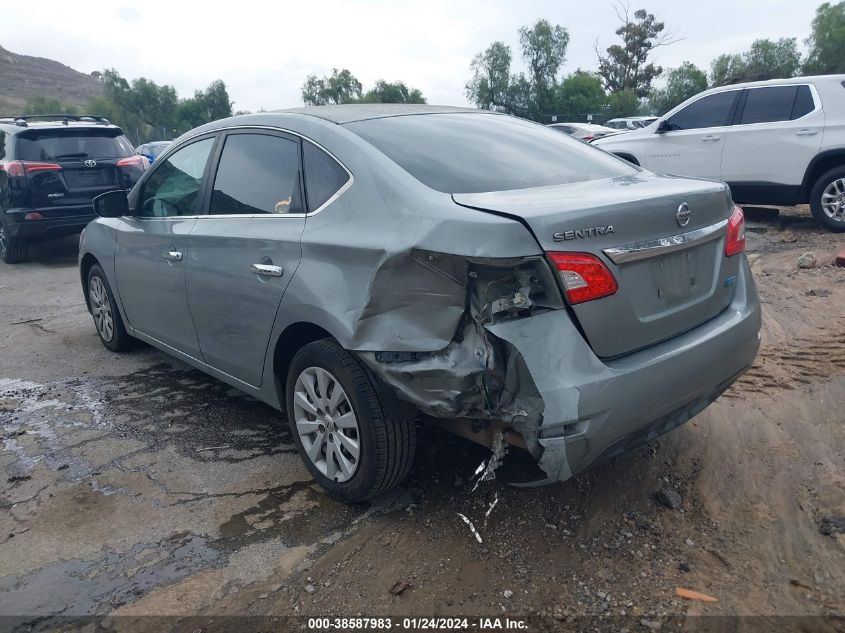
{"points": [[481, 373]]}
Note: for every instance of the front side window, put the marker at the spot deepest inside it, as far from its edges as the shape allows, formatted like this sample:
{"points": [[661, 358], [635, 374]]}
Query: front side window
{"points": [[709, 111], [764, 105], [471, 153], [173, 187], [323, 176], [258, 173]]}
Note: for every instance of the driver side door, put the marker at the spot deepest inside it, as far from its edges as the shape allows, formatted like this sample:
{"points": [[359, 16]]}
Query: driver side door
{"points": [[151, 247]]}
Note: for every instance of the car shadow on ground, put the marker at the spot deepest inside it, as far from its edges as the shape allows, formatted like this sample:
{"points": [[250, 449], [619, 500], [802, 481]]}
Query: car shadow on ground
{"points": [[59, 253]]}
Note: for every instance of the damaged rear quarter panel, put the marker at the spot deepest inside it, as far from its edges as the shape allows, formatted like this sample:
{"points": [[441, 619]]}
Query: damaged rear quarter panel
{"points": [[364, 277]]}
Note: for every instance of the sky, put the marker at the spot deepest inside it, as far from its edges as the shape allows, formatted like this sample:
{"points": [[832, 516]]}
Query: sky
{"points": [[265, 50]]}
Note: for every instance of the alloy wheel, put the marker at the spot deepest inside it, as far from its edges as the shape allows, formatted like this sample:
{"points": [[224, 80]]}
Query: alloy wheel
{"points": [[833, 200], [326, 424], [101, 308]]}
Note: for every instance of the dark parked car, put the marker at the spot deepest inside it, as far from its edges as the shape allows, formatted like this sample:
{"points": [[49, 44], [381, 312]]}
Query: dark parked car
{"points": [[51, 167], [360, 265]]}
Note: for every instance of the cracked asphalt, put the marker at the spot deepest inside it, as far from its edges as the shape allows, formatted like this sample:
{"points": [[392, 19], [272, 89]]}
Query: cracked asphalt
{"points": [[134, 485]]}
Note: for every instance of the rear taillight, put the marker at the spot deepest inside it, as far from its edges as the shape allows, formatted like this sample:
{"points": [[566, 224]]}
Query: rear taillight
{"points": [[133, 161], [735, 239], [20, 167], [584, 276]]}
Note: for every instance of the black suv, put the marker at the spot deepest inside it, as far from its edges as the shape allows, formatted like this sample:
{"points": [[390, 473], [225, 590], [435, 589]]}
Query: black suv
{"points": [[51, 166]]}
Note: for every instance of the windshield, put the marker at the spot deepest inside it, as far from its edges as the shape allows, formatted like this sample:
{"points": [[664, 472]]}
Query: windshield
{"points": [[57, 144], [473, 153]]}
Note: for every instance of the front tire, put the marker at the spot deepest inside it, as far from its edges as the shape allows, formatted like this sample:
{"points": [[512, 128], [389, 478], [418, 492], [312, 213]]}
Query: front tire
{"points": [[352, 441], [13, 250], [827, 200], [107, 318]]}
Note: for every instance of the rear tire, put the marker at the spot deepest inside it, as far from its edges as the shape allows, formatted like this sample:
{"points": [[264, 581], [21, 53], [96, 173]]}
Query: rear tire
{"points": [[827, 200], [13, 250], [353, 442], [107, 318]]}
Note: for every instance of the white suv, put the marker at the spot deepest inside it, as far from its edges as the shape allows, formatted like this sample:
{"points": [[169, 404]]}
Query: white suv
{"points": [[778, 142]]}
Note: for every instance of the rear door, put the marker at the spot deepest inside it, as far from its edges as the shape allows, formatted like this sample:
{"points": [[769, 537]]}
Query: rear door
{"points": [[776, 133], [694, 139], [245, 249], [151, 248], [68, 167]]}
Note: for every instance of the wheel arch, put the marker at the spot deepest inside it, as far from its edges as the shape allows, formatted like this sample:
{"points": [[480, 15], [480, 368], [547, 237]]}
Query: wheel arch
{"points": [[628, 157], [293, 338], [820, 164], [85, 263]]}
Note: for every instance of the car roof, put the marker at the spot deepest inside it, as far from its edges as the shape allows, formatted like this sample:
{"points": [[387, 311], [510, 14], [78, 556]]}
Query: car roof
{"points": [[347, 113], [13, 125], [811, 79]]}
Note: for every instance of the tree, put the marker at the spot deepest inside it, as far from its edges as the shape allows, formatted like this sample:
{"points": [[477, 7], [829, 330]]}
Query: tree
{"points": [[489, 88], [147, 111], [339, 87], [398, 92], [623, 103], [772, 60], [544, 50], [532, 95], [826, 43], [578, 95], [626, 66], [39, 104], [727, 69], [683, 82], [206, 105], [766, 59]]}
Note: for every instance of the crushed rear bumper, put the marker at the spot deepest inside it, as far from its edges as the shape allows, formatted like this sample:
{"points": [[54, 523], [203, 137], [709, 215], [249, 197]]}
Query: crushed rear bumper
{"points": [[595, 409]]}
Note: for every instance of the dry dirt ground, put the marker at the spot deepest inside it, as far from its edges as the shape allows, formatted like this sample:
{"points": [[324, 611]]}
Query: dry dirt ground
{"points": [[135, 486]]}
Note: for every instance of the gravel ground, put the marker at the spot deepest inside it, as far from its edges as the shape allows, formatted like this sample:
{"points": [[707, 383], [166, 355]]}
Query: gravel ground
{"points": [[133, 485]]}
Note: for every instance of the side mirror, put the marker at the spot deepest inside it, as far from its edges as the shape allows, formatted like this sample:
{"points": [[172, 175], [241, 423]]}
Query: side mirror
{"points": [[663, 126], [112, 204]]}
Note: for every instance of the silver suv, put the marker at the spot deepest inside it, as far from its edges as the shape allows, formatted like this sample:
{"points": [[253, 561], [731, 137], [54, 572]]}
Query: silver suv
{"points": [[368, 268]]}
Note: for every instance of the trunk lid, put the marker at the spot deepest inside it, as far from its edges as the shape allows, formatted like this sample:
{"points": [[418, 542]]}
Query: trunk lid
{"points": [[671, 277]]}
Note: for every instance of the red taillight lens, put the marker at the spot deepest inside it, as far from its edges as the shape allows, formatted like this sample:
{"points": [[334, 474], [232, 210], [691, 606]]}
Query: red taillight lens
{"points": [[584, 276], [20, 167], [735, 240], [134, 161]]}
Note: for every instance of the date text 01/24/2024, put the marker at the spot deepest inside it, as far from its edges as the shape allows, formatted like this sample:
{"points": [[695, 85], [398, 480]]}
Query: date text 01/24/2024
{"points": [[417, 624]]}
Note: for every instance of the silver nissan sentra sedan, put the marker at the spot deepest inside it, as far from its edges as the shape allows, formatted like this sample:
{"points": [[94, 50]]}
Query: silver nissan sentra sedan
{"points": [[367, 268]]}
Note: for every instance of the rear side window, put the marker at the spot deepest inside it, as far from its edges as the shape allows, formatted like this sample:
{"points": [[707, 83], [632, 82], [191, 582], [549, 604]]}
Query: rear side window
{"points": [[764, 105], [323, 176], [72, 144], [803, 103], [257, 173], [471, 153], [173, 187], [709, 111]]}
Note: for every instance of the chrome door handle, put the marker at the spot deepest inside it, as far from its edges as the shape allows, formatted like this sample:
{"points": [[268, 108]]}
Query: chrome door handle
{"points": [[173, 256], [806, 132], [710, 138], [267, 270]]}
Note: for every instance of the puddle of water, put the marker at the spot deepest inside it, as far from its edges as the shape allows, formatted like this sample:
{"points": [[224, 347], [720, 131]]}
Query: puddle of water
{"points": [[94, 587], [298, 514]]}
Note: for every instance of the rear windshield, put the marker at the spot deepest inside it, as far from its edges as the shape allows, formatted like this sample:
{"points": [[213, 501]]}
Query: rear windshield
{"points": [[72, 144], [472, 153]]}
